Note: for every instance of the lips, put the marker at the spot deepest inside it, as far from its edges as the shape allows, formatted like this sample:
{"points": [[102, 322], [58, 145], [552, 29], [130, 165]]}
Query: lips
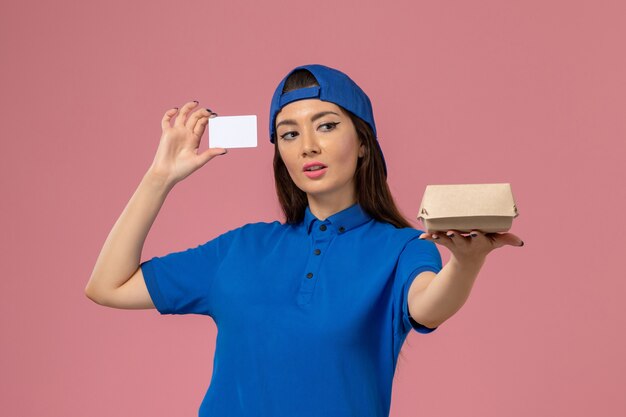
{"points": [[317, 173], [314, 164]]}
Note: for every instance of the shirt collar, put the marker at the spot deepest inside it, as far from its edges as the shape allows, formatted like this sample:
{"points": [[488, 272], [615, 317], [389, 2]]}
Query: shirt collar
{"points": [[347, 219]]}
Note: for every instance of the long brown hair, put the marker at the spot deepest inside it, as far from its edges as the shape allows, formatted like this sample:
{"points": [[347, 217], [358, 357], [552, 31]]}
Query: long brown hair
{"points": [[371, 189]]}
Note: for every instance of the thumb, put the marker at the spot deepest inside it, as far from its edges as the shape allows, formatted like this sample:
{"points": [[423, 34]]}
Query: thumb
{"points": [[209, 154], [509, 239]]}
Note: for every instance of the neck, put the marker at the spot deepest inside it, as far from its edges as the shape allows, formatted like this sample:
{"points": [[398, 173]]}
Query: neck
{"points": [[323, 207]]}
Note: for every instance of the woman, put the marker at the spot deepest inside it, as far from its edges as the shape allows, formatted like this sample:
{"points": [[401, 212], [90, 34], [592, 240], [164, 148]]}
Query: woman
{"points": [[312, 312]]}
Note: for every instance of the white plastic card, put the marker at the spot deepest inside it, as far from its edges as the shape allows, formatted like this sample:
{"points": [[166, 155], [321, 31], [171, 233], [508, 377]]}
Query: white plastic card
{"points": [[233, 132]]}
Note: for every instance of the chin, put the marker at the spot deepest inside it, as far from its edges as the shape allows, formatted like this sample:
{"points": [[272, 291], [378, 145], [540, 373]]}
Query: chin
{"points": [[321, 190]]}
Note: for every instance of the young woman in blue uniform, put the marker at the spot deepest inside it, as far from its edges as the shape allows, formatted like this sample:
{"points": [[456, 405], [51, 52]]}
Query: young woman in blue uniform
{"points": [[311, 312]]}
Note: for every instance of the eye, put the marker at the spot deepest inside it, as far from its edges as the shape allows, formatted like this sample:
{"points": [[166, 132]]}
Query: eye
{"points": [[285, 134], [332, 124]]}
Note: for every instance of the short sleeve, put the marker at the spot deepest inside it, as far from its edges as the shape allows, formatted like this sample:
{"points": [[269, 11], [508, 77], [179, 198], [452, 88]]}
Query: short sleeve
{"points": [[418, 255], [180, 282]]}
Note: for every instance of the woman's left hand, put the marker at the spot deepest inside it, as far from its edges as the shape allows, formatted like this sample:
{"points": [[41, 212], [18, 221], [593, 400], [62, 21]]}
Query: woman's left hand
{"points": [[475, 247]]}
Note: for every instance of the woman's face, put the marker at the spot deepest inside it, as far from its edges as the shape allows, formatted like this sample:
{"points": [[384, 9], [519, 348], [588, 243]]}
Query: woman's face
{"points": [[313, 130]]}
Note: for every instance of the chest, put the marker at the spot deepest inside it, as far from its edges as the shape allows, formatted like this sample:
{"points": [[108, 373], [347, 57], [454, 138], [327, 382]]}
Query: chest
{"points": [[321, 289]]}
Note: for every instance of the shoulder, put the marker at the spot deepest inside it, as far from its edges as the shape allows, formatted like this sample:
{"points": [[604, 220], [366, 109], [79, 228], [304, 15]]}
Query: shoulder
{"points": [[401, 235], [261, 227], [259, 230]]}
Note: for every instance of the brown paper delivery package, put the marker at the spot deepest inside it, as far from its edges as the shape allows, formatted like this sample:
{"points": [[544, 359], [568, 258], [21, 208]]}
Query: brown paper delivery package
{"points": [[489, 208]]}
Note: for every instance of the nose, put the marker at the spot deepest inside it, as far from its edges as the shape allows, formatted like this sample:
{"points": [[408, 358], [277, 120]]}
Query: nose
{"points": [[309, 143]]}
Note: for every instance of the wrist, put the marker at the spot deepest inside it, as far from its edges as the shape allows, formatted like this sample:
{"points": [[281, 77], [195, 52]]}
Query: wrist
{"points": [[467, 263], [157, 180]]}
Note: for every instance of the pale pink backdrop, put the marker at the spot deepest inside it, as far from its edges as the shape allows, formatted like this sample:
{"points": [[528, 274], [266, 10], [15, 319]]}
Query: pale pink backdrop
{"points": [[531, 93]]}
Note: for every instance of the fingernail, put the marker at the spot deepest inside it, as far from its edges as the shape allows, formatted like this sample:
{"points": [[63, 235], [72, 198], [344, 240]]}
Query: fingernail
{"points": [[450, 235], [225, 151], [522, 243], [209, 110], [435, 237], [196, 101], [473, 234]]}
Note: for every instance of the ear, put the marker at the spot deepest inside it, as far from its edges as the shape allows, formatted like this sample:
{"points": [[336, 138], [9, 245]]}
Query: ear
{"points": [[362, 150]]}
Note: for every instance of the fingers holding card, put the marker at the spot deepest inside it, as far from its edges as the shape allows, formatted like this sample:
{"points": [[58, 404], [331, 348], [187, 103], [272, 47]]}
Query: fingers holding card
{"points": [[233, 132]]}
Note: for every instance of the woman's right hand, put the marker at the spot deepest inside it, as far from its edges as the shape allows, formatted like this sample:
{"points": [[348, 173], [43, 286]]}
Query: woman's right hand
{"points": [[176, 157]]}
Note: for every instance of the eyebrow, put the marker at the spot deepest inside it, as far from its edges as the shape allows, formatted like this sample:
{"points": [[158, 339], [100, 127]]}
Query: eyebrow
{"points": [[313, 118]]}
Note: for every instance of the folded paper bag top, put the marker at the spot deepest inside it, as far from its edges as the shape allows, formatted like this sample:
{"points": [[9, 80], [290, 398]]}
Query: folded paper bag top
{"points": [[489, 208]]}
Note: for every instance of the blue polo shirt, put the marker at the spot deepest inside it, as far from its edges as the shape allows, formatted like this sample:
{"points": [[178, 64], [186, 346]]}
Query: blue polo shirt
{"points": [[310, 317]]}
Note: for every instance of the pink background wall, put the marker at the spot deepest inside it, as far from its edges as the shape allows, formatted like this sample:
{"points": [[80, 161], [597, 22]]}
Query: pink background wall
{"points": [[531, 93]]}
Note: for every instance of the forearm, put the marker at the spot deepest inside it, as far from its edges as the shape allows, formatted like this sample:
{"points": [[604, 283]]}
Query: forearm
{"points": [[121, 254], [447, 292]]}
